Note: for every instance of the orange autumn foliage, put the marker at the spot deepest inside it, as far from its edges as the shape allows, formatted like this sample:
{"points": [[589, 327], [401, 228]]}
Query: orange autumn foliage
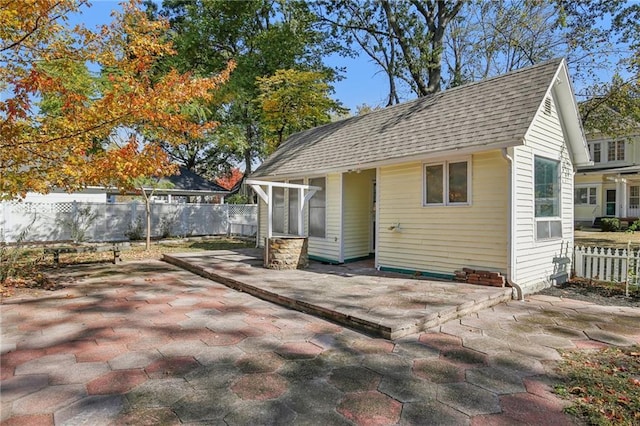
{"points": [[231, 179], [65, 146]]}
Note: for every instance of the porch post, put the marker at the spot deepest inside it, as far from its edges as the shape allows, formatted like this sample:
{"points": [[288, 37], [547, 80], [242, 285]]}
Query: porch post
{"points": [[300, 207], [621, 196], [269, 211], [625, 198]]}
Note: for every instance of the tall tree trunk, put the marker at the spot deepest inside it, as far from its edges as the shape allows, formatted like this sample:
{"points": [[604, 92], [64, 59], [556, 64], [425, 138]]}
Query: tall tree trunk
{"points": [[147, 208]]}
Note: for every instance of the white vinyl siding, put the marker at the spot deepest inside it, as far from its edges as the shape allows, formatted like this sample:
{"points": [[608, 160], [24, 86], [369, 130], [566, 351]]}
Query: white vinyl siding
{"points": [[534, 258], [318, 209], [262, 222], [442, 239], [357, 213]]}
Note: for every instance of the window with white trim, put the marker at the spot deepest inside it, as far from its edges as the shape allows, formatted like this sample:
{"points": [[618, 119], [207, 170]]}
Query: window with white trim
{"points": [[634, 197], [447, 183], [607, 152], [585, 196], [547, 198], [277, 195], [318, 209], [596, 152], [615, 151]]}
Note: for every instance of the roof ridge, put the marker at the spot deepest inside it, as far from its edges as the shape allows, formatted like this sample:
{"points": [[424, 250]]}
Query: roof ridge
{"points": [[557, 60], [494, 112]]}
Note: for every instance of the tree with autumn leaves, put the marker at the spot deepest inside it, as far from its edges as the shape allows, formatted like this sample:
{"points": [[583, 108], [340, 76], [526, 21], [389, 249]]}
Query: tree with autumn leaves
{"points": [[58, 118]]}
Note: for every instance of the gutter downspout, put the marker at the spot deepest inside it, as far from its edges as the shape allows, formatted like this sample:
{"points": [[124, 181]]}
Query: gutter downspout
{"points": [[511, 229]]}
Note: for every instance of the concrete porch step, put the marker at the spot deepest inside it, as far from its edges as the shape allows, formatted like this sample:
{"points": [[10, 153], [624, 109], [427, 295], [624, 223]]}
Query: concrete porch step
{"points": [[386, 305]]}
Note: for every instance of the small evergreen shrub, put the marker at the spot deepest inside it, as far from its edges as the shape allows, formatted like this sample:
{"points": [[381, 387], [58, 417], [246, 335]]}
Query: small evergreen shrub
{"points": [[611, 224]]}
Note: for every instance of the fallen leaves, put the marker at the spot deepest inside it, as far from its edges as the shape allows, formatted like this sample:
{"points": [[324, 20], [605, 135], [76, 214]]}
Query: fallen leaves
{"points": [[603, 385]]}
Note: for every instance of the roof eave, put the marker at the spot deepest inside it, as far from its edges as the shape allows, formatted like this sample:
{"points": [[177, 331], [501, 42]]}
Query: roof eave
{"points": [[570, 115], [428, 156]]}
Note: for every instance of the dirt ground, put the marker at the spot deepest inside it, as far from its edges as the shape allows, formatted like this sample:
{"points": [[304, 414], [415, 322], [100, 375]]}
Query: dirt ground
{"points": [[598, 292]]}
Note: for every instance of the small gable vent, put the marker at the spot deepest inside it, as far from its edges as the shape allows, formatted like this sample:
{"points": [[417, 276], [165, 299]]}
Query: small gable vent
{"points": [[547, 106]]}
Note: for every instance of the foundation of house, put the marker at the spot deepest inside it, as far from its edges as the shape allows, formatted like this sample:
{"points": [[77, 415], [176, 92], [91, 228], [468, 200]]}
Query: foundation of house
{"points": [[286, 253]]}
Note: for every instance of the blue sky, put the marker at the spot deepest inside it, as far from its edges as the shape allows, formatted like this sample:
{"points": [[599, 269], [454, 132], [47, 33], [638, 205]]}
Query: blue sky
{"points": [[363, 83]]}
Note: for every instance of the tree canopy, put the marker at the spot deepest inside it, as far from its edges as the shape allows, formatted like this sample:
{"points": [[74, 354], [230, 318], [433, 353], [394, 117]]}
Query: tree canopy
{"points": [[262, 37], [69, 89], [291, 101]]}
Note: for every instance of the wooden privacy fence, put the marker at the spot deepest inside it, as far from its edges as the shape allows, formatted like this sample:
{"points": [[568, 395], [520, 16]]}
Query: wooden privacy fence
{"points": [[607, 264]]}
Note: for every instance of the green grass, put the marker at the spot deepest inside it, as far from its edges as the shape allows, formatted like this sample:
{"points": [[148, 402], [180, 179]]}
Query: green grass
{"points": [[603, 385]]}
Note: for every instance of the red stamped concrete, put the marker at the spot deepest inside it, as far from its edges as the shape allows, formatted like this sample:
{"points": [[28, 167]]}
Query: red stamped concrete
{"points": [[116, 382], [32, 420], [171, 367], [260, 386], [370, 409], [133, 358]]}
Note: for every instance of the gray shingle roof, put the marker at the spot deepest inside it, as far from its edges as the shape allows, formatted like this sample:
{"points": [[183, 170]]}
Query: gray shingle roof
{"points": [[188, 181], [487, 114]]}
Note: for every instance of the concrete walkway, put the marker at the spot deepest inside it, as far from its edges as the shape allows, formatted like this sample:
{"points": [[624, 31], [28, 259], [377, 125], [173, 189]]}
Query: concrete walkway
{"points": [[356, 295], [146, 343]]}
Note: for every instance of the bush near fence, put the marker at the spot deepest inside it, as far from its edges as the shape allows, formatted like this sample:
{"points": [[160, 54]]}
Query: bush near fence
{"points": [[108, 222]]}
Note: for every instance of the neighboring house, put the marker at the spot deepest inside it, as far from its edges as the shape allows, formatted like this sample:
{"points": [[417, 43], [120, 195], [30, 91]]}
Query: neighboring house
{"points": [[87, 195], [611, 186], [185, 187], [478, 176]]}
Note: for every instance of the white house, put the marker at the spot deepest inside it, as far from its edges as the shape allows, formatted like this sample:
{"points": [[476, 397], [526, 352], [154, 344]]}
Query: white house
{"points": [[611, 186], [477, 176], [186, 185]]}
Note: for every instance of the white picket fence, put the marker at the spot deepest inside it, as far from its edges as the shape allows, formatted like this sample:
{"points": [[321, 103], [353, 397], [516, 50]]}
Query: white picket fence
{"points": [[607, 264], [96, 222]]}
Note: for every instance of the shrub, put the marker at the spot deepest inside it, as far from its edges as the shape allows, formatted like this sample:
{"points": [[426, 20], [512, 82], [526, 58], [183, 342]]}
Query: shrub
{"points": [[238, 199], [135, 231], [79, 223], [611, 224], [635, 226], [166, 226]]}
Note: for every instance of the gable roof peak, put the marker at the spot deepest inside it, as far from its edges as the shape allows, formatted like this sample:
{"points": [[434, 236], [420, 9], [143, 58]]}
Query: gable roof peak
{"points": [[488, 114]]}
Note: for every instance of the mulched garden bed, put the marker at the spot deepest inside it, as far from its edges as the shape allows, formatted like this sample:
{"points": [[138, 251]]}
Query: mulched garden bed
{"points": [[601, 293]]}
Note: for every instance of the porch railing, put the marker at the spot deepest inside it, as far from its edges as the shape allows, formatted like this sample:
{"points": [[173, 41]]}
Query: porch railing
{"points": [[633, 211]]}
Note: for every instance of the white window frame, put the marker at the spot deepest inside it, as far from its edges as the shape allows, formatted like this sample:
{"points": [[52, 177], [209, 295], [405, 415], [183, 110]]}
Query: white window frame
{"points": [[616, 151], [445, 182], [280, 214], [326, 198], [591, 190], [592, 147], [547, 221], [632, 204]]}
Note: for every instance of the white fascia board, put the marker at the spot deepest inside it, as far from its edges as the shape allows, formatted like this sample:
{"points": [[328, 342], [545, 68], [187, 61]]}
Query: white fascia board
{"points": [[431, 155]]}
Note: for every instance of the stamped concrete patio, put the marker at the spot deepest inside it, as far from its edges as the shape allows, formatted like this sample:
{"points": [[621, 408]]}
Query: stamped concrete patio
{"points": [[383, 304], [146, 343]]}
